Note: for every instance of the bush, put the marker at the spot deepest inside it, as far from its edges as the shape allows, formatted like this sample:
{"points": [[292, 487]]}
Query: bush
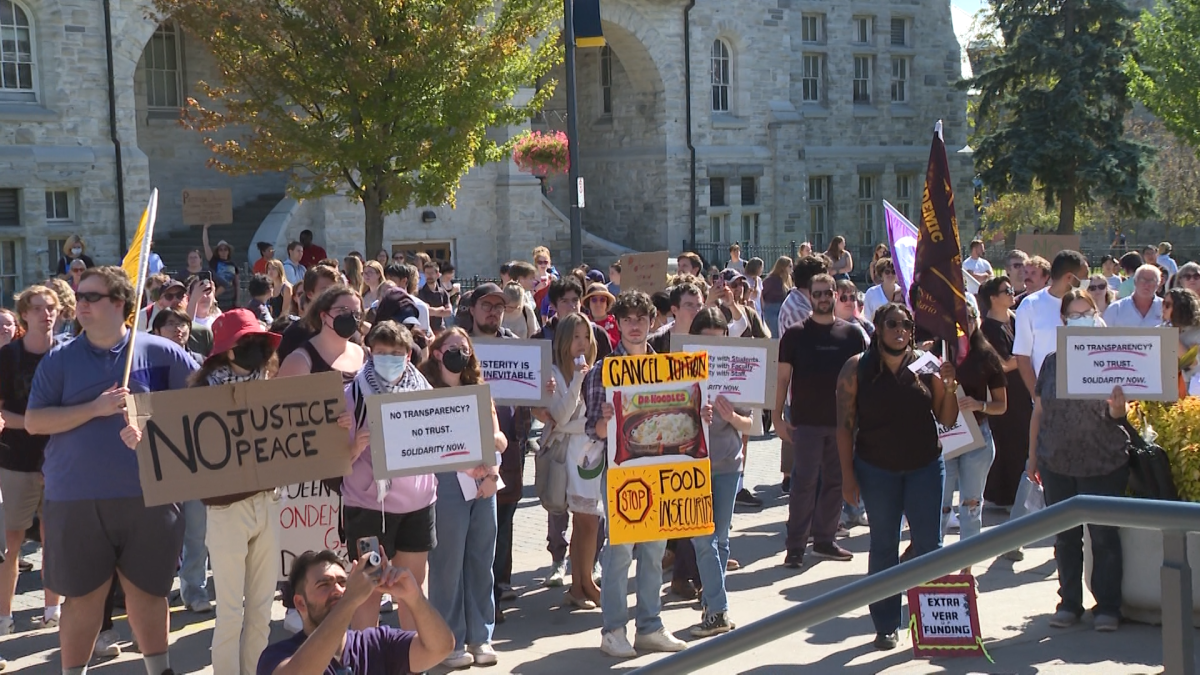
{"points": [[1178, 428]]}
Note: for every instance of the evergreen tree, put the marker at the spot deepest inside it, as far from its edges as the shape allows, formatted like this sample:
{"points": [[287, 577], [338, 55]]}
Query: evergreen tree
{"points": [[1052, 105], [1166, 69]]}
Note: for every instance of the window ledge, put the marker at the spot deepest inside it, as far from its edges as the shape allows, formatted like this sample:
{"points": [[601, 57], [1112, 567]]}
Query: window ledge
{"points": [[727, 121], [865, 110], [25, 112], [903, 110], [814, 110], [163, 114]]}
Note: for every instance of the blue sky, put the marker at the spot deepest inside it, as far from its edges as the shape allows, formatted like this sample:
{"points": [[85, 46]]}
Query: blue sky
{"points": [[971, 6]]}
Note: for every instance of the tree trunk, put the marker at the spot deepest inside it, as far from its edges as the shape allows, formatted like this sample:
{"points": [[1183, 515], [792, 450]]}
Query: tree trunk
{"points": [[1066, 212], [373, 224]]}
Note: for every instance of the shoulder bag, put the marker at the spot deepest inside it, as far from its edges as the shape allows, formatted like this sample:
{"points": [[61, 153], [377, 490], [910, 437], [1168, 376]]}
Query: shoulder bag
{"points": [[1149, 468]]}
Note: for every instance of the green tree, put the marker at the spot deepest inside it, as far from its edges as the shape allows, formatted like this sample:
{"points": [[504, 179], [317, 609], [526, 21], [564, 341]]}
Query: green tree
{"points": [[1164, 72], [389, 101], [1052, 103]]}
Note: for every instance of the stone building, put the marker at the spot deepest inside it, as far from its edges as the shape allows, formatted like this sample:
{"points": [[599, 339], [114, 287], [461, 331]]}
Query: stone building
{"points": [[803, 115]]}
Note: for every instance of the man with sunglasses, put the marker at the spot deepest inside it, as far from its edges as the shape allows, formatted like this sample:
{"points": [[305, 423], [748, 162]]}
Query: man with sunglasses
{"points": [[169, 295], [96, 520], [1014, 267], [811, 356]]}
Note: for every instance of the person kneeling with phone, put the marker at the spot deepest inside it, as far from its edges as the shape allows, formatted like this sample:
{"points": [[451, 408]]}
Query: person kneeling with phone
{"points": [[327, 596]]}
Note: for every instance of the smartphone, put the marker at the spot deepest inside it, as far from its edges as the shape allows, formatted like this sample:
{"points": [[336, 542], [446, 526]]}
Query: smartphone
{"points": [[206, 275], [368, 551], [719, 282], [581, 360]]}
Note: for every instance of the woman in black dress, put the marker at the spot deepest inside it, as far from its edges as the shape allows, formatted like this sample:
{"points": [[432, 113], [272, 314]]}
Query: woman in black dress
{"points": [[1010, 430]]}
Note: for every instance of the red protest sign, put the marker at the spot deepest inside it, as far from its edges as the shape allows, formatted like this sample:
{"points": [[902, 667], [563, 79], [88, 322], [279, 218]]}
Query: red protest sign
{"points": [[944, 618]]}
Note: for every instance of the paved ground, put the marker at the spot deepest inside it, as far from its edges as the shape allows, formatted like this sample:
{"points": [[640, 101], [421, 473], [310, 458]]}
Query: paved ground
{"points": [[543, 637]]}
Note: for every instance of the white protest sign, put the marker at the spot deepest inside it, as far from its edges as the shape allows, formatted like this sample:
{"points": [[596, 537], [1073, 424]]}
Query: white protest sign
{"points": [[961, 438], [516, 370], [740, 369], [308, 521], [431, 431], [1143, 361], [945, 615]]}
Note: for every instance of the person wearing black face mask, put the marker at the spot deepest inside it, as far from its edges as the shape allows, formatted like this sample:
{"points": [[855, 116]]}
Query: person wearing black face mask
{"points": [[888, 446], [240, 533]]}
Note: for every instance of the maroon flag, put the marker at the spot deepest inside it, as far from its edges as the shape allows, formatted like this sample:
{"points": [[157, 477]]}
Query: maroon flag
{"points": [[939, 300]]}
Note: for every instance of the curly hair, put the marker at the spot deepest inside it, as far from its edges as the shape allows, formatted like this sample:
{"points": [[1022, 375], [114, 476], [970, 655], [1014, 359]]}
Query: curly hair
{"points": [[633, 303]]}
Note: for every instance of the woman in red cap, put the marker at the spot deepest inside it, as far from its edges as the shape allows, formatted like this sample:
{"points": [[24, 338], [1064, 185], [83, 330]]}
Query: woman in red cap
{"points": [[242, 544]]}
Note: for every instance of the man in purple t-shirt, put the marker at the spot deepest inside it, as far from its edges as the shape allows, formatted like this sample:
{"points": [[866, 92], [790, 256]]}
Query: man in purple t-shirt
{"points": [[326, 597]]}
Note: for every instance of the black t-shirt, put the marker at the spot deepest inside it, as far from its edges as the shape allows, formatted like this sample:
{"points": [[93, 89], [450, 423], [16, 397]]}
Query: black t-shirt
{"points": [[434, 297], [816, 352], [19, 450], [978, 373]]}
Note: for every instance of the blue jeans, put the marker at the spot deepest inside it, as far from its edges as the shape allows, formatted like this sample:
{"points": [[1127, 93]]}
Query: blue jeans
{"points": [[888, 495], [968, 473], [460, 566], [771, 317], [193, 570], [712, 550], [615, 585], [1107, 563]]}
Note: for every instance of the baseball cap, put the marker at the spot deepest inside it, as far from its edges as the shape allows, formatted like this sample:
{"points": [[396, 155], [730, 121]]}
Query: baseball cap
{"points": [[596, 276], [484, 290], [235, 324], [174, 283], [396, 305]]}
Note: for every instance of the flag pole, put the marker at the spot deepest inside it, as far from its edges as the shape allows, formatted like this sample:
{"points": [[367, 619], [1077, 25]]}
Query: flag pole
{"points": [[140, 288]]}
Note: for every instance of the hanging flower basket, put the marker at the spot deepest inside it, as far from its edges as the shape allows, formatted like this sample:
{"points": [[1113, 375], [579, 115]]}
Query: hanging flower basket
{"points": [[542, 154]]}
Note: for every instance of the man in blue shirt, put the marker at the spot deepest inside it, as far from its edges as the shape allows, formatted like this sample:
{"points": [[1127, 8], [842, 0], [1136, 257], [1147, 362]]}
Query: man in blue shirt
{"points": [[96, 520], [327, 597]]}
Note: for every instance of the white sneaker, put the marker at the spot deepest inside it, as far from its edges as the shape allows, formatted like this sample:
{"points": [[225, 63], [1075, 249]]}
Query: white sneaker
{"points": [[49, 618], [386, 606], [106, 644], [557, 576], [659, 641], [484, 654], [459, 658], [292, 621], [614, 643], [6, 625], [952, 524]]}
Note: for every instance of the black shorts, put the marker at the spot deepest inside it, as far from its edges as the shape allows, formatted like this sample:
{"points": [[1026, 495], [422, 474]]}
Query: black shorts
{"points": [[87, 539], [397, 532]]}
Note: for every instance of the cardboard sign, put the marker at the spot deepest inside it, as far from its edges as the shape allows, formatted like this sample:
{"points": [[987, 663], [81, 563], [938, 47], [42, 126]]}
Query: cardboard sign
{"points": [[944, 618], [208, 207], [961, 438], [659, 476], [418, 432], [740, 369], [646, 272], [516, 370], [1143, 361], [244, 437], [308, 521], [1047, 245]]}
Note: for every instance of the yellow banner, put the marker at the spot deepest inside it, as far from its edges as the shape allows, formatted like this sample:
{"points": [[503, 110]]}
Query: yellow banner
{"points": [[630, 371], [659, 501]]}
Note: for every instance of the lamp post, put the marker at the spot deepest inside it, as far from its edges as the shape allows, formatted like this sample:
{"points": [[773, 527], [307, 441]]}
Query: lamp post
{"points": [[576, 187]]}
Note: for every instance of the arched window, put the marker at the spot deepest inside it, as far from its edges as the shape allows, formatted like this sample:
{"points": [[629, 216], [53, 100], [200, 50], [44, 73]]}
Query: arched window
{"points": [[722, 78], [16, 53]]}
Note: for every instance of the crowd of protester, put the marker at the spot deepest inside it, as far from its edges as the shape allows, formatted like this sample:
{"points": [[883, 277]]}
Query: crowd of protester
{"points": [[858, 429]]}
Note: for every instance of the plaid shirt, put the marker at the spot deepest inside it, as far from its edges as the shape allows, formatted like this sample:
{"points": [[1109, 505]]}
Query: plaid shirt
{"points": [[795, 310], [593, 391]]}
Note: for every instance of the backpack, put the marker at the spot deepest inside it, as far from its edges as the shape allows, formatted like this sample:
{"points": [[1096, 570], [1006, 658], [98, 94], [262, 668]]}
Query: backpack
{"points": [[1149, 468]]}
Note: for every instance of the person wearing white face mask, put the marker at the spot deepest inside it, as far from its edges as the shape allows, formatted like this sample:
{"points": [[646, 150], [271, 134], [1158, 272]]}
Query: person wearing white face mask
{"points": [[399, 512]]}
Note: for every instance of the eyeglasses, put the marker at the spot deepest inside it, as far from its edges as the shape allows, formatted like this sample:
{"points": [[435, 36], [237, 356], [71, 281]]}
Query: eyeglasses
{"points": [[343, 311], [822, 294], [846, 298], [905, 325], [1090, 314], [495, 307], [1007, 291], [173, 295], [1098, 287], [1189, 276], [92, 296], [459, 350]]}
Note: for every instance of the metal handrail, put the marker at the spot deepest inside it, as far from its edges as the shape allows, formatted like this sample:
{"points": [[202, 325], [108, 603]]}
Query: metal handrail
{"points": [[1174, 519]]}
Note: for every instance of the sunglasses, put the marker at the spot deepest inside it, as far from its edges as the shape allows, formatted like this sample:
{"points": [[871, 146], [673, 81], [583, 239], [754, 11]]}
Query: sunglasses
{"points": [[343, 311], [173, 295], [822, 294], [1190, 276], [1007, 291], [846, 298], [91, 296], [1098, 287], [899, 324]]}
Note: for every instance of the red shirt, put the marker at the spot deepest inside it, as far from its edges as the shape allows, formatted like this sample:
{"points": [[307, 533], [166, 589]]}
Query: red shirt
{"points": [[313, 254], [260, 266]]}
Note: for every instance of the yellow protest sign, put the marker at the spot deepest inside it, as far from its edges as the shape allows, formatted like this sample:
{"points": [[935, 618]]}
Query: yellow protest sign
{"points": [[659, 477]]}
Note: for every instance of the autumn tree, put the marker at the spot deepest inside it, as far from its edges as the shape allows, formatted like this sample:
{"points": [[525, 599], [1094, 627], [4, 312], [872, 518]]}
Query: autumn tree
{"points": [[389, 101], [1053, 96], [1164, 70]]}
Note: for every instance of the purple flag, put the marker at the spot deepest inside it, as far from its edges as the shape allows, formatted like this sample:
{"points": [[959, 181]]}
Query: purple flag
{"points": [[902, 242]]}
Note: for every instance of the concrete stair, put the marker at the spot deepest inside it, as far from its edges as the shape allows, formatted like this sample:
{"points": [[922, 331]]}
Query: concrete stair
{"points": [[246, 218]]}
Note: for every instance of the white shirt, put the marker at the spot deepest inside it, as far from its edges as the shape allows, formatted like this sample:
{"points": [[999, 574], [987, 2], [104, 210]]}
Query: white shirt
{"points": [[1038, 319], [978, 266], [1165, 262], [1114, 282], [1125, 314], [873, 299], [422, 312]]}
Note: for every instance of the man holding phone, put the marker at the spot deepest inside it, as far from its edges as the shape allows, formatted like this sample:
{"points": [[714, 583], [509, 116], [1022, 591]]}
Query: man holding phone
{"points": [[327, 596]]}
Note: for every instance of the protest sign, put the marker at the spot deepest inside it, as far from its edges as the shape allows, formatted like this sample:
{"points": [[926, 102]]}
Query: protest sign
{"points": [[309, 514], [961, 438], [1047, 245], [244, 437], [740, 369], [207, 207], [516, 370], [646, 272], [417, 432], [944, 618], [659, 478], [1143, 361]]}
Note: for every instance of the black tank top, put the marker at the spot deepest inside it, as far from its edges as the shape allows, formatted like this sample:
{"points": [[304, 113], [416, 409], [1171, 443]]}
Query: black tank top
{"points": [[320, 366], [276, 305], [896, 428]]}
